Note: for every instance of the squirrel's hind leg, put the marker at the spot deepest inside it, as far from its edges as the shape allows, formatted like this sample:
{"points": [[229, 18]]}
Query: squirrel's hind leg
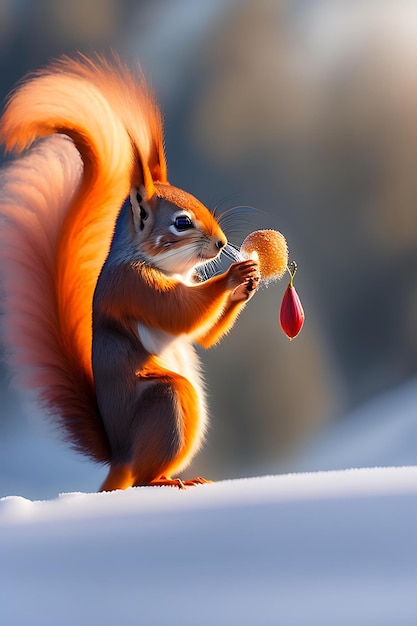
{"points": [[169, 437], [149, 439], [158, 433], [162, 434]]}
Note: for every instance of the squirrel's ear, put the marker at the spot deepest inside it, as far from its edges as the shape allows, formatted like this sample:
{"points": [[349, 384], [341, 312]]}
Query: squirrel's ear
{"points": [[141, 209], [144, 175]]}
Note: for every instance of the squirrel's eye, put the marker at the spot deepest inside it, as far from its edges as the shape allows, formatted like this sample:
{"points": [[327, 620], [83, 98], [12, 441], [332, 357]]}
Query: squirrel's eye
{"points": [[183, 222]]}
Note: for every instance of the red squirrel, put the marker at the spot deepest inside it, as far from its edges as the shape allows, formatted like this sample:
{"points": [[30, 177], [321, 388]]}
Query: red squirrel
{"points": [[101, 302]]}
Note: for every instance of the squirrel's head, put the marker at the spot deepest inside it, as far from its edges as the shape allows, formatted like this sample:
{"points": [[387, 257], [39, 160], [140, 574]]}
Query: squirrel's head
{"points": [[173, 230]]}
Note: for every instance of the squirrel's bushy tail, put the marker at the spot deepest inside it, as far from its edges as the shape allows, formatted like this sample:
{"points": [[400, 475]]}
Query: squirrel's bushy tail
{"points": [[58, 206]]}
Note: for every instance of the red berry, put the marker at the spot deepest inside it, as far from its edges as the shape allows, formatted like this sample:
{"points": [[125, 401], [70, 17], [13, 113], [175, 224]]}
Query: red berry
{"points": [[291, 315]]}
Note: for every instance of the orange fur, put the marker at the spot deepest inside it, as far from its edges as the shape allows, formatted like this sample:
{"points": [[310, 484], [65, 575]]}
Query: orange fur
{"points": [[147, 295], [104, 337], [109, 116], [59, 214], [189, 411]]}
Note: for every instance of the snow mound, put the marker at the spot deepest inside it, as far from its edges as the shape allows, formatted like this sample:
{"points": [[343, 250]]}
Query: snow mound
{"points": [[302, 549]]}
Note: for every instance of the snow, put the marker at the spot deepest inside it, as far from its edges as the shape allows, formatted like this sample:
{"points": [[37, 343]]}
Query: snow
{"points": [[321, 548]]}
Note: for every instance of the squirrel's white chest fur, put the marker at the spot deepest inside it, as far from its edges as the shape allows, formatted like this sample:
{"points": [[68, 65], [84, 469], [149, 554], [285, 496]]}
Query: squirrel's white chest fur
{"points": [[176, 354]]}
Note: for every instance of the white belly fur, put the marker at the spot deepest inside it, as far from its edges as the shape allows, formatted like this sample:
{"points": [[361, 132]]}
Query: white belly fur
{"points": [[176, 354]]}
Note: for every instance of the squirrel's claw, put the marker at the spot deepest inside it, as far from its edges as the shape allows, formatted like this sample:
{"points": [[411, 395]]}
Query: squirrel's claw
{"points": [[163, 481], [246, 290]]}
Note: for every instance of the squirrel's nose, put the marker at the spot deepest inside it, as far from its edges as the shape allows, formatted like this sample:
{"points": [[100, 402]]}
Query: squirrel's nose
{"points": [[220, 243]]}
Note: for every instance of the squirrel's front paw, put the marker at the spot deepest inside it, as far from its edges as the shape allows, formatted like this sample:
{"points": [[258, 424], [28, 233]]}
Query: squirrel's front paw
{"points": [[246, 274]]}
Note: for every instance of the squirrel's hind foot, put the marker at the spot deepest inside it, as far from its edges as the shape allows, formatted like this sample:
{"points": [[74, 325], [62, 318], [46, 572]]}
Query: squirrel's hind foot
{"points": [[121, 477], [163, 481]]}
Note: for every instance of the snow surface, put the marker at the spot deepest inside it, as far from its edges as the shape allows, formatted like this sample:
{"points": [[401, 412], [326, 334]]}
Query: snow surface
{"points": [[325, 549]]}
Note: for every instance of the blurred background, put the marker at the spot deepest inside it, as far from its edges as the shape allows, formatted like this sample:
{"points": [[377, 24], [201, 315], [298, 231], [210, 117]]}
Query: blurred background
{"points": [[306, 111]]}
